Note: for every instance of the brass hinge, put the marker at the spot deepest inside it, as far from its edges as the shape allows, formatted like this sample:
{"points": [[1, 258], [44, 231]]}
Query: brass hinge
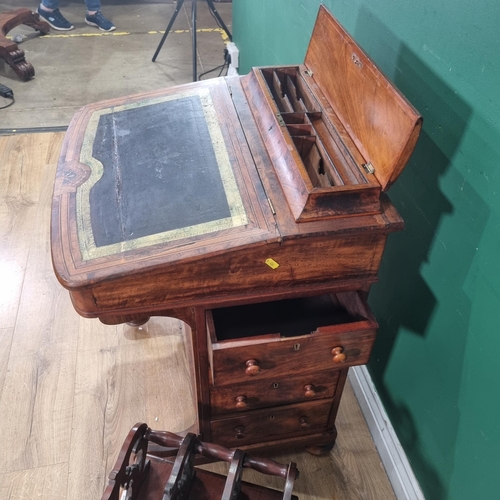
{"points": [[369, 168], [280, 120], [308, 72]]}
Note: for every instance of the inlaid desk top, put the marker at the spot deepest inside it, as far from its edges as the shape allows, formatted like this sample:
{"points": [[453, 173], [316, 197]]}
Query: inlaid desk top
{"points": [[166, 171]]}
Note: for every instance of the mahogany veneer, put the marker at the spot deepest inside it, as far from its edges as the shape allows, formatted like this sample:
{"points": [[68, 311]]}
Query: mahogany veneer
{"points": [[254, 209]]}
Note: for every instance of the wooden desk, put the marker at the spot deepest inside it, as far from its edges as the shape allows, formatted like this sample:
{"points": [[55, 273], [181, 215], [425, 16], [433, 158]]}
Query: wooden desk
{"points": [[249, 208]]}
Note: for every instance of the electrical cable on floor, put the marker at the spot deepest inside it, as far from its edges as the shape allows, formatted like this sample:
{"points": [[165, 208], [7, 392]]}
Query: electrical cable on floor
{"points": [[7, 93], [221, 67], [10, 103], [227, 62]]}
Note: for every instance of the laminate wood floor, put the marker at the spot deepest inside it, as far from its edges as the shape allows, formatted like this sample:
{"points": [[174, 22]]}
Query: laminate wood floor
{"points": [[71, 388]]}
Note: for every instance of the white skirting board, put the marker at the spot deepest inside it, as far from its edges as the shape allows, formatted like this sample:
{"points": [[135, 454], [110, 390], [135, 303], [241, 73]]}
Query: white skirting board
{"points": [[399, 471]]}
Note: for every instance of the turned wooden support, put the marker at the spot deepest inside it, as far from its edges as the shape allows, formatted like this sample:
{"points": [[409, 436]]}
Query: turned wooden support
{"points": [[216, 452], [9, 51]]}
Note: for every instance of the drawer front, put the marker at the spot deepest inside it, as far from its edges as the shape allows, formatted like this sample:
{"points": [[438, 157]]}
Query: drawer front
{"points": [[272, 423], [269, 392], [318, 351]]}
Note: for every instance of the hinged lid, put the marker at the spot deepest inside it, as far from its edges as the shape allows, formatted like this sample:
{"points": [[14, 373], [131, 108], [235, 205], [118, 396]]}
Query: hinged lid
{"points": [[382, 123]]}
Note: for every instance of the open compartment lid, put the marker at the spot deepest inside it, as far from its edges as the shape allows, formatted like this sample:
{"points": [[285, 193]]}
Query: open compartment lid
{"points": [[382, 123]]}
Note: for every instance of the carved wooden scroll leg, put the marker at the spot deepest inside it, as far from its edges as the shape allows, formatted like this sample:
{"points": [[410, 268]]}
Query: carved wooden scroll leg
{"points": [[232, 487], [9, 51], [291, 475], [181, 477], [131, 467]]}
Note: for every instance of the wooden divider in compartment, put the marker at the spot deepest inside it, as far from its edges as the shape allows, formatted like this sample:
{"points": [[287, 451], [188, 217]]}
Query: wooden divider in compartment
{"points": [[337, 131], [289, 90], [334, 181]]}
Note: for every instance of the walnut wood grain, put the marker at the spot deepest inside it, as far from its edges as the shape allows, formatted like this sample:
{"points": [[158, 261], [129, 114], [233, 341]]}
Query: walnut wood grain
{"points": [[304, 218], [278, 356], [274, 392], [314, 260], [103, 378], [308, 199], [271, 423], [381, 122]]}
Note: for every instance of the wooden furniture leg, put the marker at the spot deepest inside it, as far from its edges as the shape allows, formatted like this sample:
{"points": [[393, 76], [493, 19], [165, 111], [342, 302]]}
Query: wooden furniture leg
{"points": [[9, 51]]}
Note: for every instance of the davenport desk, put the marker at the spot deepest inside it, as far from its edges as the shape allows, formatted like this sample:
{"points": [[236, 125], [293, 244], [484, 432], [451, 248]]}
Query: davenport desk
{"points": [[252, 208]]}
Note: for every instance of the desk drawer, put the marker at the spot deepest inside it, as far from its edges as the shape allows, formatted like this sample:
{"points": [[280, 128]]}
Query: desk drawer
{"points": [[273, 392], [289, 337], [271, 423]]}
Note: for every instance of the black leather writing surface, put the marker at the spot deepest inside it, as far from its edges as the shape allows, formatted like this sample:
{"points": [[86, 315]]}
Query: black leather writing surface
{"points": [[160, 172]]}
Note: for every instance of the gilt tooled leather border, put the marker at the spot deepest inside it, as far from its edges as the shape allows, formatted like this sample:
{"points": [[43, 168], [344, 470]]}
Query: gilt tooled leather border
{"points": [[238, 217]]}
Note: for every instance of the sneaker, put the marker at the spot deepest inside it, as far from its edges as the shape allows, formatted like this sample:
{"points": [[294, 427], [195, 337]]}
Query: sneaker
{"points": [[99, 21], [55, 19]]}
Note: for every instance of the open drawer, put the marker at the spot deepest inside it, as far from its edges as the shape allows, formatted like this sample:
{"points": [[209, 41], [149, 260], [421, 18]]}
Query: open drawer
{"points": [[289, 337]]}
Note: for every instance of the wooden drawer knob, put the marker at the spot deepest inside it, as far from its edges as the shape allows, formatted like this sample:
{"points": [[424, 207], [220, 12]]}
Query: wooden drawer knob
{"points": [[304, 423], [241, 402], [252, 367], [309, 391], [338, 355], [240, 432]]}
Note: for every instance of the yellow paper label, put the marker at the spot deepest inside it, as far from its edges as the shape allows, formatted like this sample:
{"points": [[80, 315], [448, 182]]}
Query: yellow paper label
{"points": [[272, 263]]}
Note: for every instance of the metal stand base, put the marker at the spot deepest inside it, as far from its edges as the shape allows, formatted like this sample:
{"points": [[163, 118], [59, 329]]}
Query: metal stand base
{"points": [[193, 28]]}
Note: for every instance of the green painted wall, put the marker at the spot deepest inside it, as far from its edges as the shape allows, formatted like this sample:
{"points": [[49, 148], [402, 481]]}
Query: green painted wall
{"points": [[436, 361]]}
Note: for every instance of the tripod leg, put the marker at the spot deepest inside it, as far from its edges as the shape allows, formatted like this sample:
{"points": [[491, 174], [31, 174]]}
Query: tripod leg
{"points": [[193, 34], [167, 31], [219, 19]]}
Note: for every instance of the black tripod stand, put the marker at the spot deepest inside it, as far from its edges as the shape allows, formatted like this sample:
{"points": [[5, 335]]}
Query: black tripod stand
{"points": [[214, 12]]}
